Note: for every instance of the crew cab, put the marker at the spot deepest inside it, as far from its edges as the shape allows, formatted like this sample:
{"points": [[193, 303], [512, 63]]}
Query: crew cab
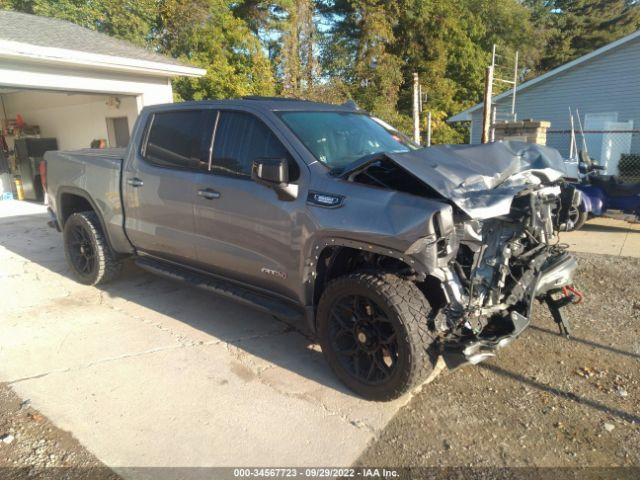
{"points": [[394, 254]]}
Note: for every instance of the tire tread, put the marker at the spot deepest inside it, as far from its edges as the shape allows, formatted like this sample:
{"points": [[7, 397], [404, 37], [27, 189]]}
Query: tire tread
{"points": [[411, 308], [109, 265]]}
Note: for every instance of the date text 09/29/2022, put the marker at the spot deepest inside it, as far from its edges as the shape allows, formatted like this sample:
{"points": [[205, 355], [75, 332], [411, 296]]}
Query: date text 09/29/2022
{"points": [[325, 472]]}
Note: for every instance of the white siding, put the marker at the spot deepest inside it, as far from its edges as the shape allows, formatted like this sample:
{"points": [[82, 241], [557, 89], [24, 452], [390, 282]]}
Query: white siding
{"points": [[47, 76], [607, 83]]}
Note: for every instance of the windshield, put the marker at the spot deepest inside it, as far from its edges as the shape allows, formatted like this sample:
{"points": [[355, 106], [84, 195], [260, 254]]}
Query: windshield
{"points": [[339, 138]]}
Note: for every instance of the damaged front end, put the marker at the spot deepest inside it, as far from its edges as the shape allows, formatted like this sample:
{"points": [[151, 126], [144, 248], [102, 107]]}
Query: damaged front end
{"points": [[501, 265], [494, 248]]}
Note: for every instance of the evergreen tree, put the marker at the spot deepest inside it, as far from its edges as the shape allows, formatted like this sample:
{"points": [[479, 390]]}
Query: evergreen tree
{"points": [[288, 31], [366, 50], [358, 49], [576, 27], [298, 59]]}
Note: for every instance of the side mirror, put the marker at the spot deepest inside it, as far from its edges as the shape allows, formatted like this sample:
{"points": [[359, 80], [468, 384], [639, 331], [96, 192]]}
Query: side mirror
{"points": [[274, 173], [271, 171]]}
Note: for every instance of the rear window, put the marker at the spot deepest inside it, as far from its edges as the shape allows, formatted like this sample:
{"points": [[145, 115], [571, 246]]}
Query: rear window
{"points": [[176, 139]]}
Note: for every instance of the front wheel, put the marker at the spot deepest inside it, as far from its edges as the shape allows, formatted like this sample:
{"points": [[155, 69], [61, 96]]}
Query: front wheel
{"points": [[373, 332], [91, 259]]}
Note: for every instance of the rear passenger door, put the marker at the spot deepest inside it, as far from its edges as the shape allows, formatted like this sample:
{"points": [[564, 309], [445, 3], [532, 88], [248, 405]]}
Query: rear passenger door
{"points": [[244, 230], [158, 184]]}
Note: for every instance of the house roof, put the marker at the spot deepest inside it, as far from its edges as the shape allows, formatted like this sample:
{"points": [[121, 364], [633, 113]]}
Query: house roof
{"points": [[50, 39], [466, 115]]}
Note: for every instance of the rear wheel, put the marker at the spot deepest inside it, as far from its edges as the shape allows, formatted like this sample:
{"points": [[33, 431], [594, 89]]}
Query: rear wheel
{"points": [[91, 259], [373, 332], [578, 217]]}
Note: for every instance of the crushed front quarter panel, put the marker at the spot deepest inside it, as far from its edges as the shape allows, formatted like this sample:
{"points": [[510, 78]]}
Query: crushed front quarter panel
{"points": [[482, 180]]}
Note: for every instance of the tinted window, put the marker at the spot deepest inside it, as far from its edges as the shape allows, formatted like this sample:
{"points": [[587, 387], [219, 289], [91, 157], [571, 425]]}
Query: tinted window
{"points": [[176, 139], [240, 139]]}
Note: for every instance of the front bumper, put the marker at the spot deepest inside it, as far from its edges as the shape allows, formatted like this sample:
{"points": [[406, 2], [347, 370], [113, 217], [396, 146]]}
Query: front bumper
{"points": [[558, 274], [555, 275]]}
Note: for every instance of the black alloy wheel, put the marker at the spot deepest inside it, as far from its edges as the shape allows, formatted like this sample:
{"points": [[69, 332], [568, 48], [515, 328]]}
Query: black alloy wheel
{"points": [[374, 334], [81, 251], [90, 257], [364, 339]]}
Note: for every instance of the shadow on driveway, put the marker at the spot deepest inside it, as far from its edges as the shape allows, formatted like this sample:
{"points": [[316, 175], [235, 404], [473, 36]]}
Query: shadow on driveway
{"points": [[588, 342], [595, 227], [561, 393], [29, 237]]}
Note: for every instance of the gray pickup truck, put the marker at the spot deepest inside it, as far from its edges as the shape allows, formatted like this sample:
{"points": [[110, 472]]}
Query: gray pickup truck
{"points": [[393, 253]]}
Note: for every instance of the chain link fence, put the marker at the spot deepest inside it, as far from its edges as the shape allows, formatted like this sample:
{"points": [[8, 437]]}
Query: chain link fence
{"points": [[617, 150]]}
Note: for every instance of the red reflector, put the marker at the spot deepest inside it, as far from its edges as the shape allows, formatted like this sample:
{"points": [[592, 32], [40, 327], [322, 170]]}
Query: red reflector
{"points": [[43, 173]]}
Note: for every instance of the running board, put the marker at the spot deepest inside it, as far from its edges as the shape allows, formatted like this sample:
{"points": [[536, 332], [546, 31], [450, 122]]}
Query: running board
{"points": [[232, 291]]}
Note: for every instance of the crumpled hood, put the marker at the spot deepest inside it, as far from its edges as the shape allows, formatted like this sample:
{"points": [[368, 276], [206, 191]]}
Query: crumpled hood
{"points": [[482, 179]]}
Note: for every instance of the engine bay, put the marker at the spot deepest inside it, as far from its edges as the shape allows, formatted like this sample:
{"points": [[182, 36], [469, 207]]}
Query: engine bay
{"points": [[502, 251]]}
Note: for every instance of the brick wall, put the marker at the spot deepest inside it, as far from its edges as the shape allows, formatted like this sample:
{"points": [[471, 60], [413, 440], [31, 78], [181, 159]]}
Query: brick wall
{"points": [[531, 131]]}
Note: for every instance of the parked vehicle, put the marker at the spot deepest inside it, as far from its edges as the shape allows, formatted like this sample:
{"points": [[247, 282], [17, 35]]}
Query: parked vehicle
{"points": [[395, 254], [602, 193]]}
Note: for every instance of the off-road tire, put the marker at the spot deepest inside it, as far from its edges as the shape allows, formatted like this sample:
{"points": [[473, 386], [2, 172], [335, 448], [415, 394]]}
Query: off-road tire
{"points": [[407, 309], [107, 265]]}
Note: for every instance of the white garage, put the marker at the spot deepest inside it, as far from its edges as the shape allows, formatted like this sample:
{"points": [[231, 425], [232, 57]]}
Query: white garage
{"points": [[62, 82]]}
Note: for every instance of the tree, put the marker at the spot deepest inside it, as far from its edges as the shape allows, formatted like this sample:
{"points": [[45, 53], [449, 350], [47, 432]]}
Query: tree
{"points": [[300, 69], [576, 27], [365, 50], [358, 50], [206, 33], [130, 20], [449, 45], [288, 31]]}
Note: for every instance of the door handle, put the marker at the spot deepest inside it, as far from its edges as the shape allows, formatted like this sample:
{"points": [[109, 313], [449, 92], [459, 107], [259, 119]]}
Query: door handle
{"points": [[135, 182], [208, 194]]}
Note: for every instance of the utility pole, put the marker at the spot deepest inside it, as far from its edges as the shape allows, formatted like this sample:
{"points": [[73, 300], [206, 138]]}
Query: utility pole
{"points": [[429, 129], [486, 112], [416, 108], [515, 87]]}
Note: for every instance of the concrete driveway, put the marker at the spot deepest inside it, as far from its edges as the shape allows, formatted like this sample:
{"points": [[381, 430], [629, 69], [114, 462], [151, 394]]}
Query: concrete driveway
{"points": [[146, 372], [151, 373], [607, 236]]}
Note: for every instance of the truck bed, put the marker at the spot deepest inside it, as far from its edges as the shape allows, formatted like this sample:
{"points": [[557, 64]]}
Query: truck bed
{"points": [[95, 175]]}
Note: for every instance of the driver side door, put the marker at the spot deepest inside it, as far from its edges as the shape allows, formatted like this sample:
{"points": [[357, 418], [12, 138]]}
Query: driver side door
{"points": [[245, 232]]}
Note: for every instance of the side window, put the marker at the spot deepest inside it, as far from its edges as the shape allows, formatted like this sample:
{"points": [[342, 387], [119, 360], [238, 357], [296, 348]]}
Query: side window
{"points": [[240, 139], [175, 139]]}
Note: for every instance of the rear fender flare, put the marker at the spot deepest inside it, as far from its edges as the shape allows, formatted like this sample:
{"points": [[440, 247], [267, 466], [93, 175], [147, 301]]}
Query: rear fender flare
{"points": [[85, 195]]}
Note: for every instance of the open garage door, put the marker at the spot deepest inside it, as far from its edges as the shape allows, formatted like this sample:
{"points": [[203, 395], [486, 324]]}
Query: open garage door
{"points": [[73, 119], [34, 121]]}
